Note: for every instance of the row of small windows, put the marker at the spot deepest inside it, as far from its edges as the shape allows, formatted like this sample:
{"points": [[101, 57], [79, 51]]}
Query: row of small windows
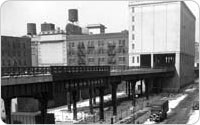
{"points": [[100, 43], [121, 59], [14, 53], [103, 59], [14, 63], [99, 51], [15, 45], [133, 59]]}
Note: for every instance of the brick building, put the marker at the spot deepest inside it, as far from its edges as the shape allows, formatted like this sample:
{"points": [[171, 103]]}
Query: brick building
{"points": [[16, 51], [98, 49]]}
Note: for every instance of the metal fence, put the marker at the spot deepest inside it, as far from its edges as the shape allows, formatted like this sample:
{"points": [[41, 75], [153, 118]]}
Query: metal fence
{"points": [[78, 69], [19, 71]]}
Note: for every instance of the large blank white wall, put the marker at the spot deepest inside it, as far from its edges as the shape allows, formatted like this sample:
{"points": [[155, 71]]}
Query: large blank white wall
{"points": [[147, 29], [160, 16], [51, 53], [157, 28]]}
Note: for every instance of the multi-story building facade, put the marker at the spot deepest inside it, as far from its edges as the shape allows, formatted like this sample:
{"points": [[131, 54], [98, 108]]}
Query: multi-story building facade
{"points": [[98, 49], [75, 50], [196, 61], [163, 34], [16, 51]]}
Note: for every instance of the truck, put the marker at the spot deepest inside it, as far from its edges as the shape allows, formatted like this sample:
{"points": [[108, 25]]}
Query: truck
{"points": [[159, 110]]}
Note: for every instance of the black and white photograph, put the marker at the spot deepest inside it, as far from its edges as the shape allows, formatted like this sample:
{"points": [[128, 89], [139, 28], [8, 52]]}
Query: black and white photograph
{"points": [[100, 62]]}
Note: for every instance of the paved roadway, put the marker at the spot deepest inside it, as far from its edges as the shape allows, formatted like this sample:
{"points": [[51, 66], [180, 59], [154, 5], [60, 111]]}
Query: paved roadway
{"points": [[181, 114]]}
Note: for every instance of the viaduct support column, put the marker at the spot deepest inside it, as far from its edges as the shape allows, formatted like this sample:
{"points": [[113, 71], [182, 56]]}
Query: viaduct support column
{"points": [[147, 82], [90, 99], [74, 105], [70, 101], [101, 106], [129, 89], [141, 93], [126, 88], [43, 107], [94, 95], [7, 105], [114, 98], [133, 92]]}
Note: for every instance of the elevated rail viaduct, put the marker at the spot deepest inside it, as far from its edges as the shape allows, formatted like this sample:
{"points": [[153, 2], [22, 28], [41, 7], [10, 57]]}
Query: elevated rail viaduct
{"points": [[43, 82]]}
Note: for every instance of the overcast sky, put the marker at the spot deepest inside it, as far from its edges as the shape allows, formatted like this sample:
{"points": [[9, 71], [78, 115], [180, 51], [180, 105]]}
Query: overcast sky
{"points": [[113, 14]]}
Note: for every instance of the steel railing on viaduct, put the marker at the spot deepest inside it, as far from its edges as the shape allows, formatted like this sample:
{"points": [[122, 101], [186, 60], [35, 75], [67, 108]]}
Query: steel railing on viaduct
{"points": [[18, 71], [21, 71]]}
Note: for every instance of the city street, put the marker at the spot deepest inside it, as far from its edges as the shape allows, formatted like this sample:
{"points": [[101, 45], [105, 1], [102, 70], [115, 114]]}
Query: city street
{"points": [[182, 113], [180, 106]]}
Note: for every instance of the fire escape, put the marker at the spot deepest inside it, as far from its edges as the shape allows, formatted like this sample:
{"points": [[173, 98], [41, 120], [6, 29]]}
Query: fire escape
{"points": [[81, 54], [90, 48], [111, 53]]}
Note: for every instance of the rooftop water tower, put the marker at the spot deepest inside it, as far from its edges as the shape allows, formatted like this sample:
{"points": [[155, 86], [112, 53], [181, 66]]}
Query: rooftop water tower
{"points": [[73, 15], [31, 29]]}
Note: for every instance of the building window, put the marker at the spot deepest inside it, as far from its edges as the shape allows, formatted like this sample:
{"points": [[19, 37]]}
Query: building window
{"points": [[19, 62], [24, 62], [3, 63], [101, 51], [8, 62], [14, 53], [133, 9], [90, 59], [133, 37], [2, 53], [101, 59], [133, 46], [13, 45], [122, 59], [133, 18], [123, 42], [19, 53], [100, 43], [72, 44], [120, 42], [138, 59], [133, 59], [133, 28], [24, 45]]}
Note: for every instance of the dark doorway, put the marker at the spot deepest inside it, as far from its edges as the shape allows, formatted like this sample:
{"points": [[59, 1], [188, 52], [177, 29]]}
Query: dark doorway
{"points": [[145, 60]]}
